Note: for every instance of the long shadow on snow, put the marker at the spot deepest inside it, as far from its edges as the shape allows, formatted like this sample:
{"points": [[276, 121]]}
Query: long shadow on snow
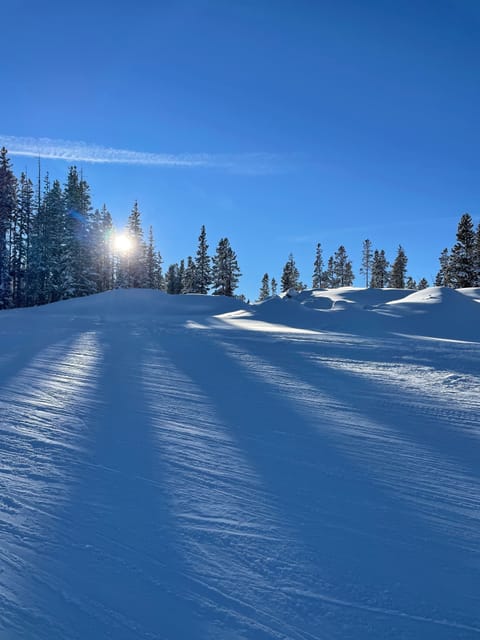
{"points": [[418, 416], [111, 569], [350, 529], [430, 565]]}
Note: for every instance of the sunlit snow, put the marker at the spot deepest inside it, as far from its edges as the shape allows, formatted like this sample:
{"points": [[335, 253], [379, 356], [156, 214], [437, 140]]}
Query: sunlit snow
{"points": [[192, 467]]}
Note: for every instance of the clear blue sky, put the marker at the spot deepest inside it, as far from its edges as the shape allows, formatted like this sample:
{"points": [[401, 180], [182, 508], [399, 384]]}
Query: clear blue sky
{"points": [[365, 115]]}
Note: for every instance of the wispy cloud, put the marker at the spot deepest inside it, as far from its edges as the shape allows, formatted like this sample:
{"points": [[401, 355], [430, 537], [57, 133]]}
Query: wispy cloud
{"points": [[71, 151]]}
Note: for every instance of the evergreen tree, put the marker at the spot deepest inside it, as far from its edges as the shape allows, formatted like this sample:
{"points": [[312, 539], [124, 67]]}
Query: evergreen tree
{"points": [[202, 264], [150, 261], [159, 279], [329, 276], [135, 258], [225, 271], [79, 269], [290, 275], [367, 257], [106, 258], [462, 257], [20, 250], [8, 204], [342, 268], [264, 289], [317, 277], [181, 275], [411, 284], [379, 273], [422, 284], [273, 286], [477, 256], [443, 276], [173, 281], [190, 276], [399, 268]]}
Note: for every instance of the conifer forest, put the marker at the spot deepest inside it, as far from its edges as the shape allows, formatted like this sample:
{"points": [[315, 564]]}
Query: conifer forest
{"points": [[54, 245]]}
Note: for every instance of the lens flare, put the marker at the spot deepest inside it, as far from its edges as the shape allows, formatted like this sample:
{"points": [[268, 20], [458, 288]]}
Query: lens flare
{"points": [[122, 243]]}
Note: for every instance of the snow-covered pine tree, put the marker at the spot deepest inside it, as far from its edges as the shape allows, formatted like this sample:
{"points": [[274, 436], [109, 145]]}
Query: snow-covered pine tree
{"points": [[190, 276], [422, 284], [181, 275], [150, 261], [57, 287], [290, 275], [462, 256], [106, 258], [225, 269], [411, 284], [135, 258], [367, 257], [80, 272], [379, 273], [202, 264], [398, 271], [173, 282], [477, 256], [443, 276], [8, 204], [329, 277], [317, 277], [273, 286], [342, 268], [20, 250], [264, 288]]}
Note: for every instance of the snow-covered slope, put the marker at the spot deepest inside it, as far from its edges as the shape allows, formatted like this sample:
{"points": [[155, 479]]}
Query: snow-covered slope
{"points": [[190, 467]]}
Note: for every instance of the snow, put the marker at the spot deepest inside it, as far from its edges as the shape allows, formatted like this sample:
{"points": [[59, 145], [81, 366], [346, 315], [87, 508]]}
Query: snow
{"points": [[180, 467]]}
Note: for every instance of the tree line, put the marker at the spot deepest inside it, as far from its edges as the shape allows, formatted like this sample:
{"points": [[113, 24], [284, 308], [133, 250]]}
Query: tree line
{"points": [[459, 267], [54, 246]]}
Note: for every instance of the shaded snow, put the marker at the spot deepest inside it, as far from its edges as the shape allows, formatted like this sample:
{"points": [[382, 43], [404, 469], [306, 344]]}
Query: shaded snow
{"points": [[194, 467]]}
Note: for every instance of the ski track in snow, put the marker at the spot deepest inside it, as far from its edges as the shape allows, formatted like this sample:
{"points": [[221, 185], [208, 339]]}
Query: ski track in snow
{"points": [[214, 479]]}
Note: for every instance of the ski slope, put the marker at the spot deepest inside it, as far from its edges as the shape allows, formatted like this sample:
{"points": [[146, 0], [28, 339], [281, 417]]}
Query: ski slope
{"points": [[192, 467]]}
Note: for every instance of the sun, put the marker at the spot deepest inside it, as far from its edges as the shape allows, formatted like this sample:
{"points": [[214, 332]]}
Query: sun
{"points": [[122, 243]]}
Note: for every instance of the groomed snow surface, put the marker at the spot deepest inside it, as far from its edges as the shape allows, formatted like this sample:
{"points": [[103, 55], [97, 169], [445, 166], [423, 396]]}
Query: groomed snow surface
{"points": [[191, 467]]}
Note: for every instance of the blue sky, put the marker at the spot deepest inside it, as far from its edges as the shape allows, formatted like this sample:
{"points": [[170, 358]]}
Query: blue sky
{"points": [[319, 121]]}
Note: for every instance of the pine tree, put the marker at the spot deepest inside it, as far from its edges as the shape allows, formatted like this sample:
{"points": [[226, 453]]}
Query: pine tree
{"points": [[443, 276], [399, 268], [264, 289], [367, 257], [411, 284], [290, 275], [20, 250], [422, 284], [317, 277], [8, 204], [273, 286], [173, 282], [379, 273], [106, 258], [135, 258], [329, 276], [181, 275], [150, 261], [190, 276], [79, 269], [462, 257], [225, 271], [342, 268], [477, 256], [202, 264]]}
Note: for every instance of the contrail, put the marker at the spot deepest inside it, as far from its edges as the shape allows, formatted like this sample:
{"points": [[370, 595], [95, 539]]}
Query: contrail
{"points": [[71, 151]]}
